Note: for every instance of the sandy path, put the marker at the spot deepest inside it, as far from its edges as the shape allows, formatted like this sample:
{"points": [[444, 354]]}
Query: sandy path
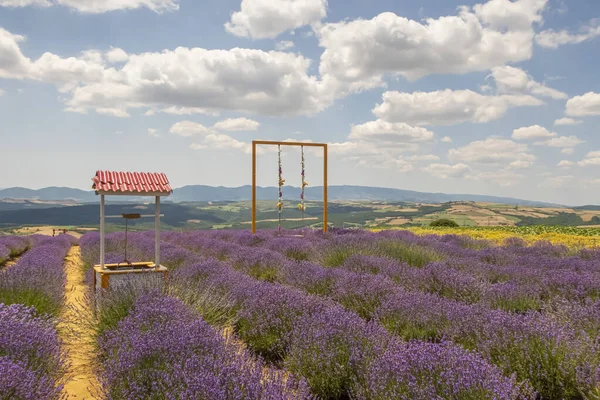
{"points": [[81, 382]]}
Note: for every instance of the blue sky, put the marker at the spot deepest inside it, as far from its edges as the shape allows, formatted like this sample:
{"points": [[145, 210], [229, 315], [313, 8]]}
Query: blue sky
{"points": [[498, 97]]}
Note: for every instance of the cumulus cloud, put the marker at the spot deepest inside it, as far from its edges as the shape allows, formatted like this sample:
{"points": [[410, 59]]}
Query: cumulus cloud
{"points": [[423, 157], [532, 132], [226, 142], [98, 6], [492, 151], [446, 139], [116, 55], [568, 151], [553, 39], [447, 107], [583, 106], [567, 121], [153, 132], [261, 19], [25, 3], [556, 182], [189, 128], [390, 133], [359, 53], [446, 171], [561, 141], [515, 80], [566, 164], [504, 177], [284, 45], [255, 81], [591, 159], [237, 125]]}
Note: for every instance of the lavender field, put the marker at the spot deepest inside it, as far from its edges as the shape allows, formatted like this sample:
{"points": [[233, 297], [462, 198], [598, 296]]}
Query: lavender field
{"points": [[353, 314], [347, 315]]}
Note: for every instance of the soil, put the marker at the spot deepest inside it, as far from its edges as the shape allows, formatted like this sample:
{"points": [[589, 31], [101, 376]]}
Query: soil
{"points": [[77, 335]]}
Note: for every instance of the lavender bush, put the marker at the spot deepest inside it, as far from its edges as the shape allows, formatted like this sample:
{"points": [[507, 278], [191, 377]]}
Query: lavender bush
{"points": [[162, 335]]}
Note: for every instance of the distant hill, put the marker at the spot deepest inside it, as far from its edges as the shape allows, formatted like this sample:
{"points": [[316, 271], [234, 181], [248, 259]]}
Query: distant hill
{"points": [[49, 193], [212, 193]]}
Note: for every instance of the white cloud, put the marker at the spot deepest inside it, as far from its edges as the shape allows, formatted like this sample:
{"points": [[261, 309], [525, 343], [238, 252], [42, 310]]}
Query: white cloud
{"points": [[358, 54], [553, 39], [561, 141], [153, 132], [284, 45], [98, 6], [446, 139], [583, 106], [556, 182], [515, 80], [491, 151], [567, 121], [447, 107], [198, 146], [390, 133], [565, 164], [189, 128], [272, 83], [423, 157], [189, 111], [113, 112], [521, 164], [568, 151], [532, 132], [237, 125], [446, 171], [25, 3], [591, 159], [505, 177], [220, 141], [261, 19], [116, 55]]}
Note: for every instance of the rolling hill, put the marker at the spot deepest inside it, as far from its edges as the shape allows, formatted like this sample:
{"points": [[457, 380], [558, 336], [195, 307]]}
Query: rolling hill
{"points": [[220, 193]]}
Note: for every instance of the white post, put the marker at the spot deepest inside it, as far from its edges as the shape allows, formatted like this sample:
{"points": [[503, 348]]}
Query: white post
{"points": [[102, 231], [157, 232]]}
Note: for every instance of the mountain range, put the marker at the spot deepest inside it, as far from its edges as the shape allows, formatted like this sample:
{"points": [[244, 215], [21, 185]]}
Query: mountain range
{"points": [[194, 193]]}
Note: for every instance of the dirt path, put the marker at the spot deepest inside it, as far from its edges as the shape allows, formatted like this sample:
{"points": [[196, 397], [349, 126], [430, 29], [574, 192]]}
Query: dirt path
{"points": [[77, 337]]}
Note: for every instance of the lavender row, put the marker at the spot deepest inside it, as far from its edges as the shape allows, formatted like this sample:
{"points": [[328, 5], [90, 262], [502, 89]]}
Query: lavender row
{"points": [[163, 350], [31, 360], [11, 247], [38, 278]]}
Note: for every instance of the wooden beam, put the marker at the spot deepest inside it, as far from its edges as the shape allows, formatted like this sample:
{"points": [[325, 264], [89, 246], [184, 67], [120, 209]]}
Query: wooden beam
{"points": [[307, 144], [253, 187], [325, 166], [157, 233], [102, 231]]}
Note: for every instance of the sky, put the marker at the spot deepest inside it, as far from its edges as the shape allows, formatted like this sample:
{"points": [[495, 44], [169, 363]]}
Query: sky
{"points": [[499, 97]]}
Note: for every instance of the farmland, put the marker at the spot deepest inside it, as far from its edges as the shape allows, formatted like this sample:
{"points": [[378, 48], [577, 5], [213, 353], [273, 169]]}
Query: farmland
{"points": [[351, 314], [343, 214]]}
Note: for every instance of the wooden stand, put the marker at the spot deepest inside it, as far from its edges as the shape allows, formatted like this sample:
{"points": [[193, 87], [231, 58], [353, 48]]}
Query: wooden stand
{"points": [[108, 279]]}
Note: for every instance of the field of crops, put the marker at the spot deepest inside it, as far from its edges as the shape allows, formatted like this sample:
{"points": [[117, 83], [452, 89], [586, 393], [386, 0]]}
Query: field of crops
{"points": [[573, 237], [352, 314]]}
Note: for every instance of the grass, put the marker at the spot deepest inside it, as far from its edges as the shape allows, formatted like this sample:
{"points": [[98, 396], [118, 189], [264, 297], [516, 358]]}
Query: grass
{"points": [[30, 297]]}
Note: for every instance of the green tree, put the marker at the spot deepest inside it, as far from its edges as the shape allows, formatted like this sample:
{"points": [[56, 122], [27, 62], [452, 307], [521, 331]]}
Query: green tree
{"points": [[444, 222]]}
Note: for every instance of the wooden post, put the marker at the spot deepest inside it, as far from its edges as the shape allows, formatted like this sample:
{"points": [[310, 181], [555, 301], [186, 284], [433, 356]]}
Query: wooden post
{"points": [[325, 189], [157, 232], [102, 231], [253, 187]]}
